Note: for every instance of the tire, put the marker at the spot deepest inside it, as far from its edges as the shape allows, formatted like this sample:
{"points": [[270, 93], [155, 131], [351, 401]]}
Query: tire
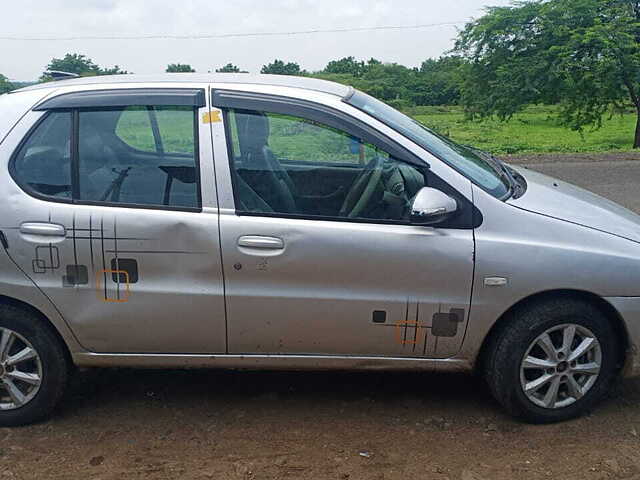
{"points": [[524, 336], [51, 365]]}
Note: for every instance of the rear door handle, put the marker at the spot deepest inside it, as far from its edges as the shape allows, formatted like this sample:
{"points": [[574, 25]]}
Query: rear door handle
{"points": [[43, 229], [265, 243]]}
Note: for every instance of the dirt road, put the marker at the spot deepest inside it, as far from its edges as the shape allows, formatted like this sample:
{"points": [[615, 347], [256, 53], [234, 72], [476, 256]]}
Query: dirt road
{"points": [[132, 424]]}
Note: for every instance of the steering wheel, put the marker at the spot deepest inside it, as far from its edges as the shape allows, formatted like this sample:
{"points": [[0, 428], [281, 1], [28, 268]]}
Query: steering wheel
{"points": [[362, 189]]}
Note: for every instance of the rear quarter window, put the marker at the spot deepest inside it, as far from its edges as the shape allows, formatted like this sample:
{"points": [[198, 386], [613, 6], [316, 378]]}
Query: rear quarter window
{"points": [[43, 163], [13, 106]]}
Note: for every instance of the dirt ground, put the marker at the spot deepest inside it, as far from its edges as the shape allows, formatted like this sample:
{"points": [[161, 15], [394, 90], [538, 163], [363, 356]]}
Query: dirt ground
{"points": [[134, 424], [538, 158], [122, 424]]}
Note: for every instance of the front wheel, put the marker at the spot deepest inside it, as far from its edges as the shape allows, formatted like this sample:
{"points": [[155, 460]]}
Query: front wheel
{"points": [[33, 368], [553, 361]]}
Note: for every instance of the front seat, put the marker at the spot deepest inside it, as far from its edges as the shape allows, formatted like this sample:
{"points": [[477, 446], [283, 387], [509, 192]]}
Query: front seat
{"points": [[260, 168]]}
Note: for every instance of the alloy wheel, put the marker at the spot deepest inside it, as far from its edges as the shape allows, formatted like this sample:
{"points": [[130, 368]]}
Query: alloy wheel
{"points": [[20, 370], [561, 366]]}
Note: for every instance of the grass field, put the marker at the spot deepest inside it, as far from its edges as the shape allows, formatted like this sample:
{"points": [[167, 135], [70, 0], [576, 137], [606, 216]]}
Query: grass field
{"points": [[536, 130]]}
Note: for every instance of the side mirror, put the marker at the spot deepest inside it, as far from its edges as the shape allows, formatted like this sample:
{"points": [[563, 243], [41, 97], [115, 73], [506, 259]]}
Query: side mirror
{"points": [[431, 206]]}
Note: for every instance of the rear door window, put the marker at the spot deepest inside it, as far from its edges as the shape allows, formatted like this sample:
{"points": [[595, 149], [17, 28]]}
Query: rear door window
{"points": [[125, 157]]}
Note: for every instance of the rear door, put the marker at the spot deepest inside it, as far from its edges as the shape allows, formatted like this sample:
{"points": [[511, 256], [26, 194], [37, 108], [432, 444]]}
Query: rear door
{"points": [[113, 215]]}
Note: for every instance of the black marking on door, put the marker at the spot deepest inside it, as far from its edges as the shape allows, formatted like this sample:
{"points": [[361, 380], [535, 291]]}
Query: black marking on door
{"points": [[40, 264], [446, 324], [121, 265], [76, 275]]}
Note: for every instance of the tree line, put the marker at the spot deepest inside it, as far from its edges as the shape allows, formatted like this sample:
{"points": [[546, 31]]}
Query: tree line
{"points": [[435, 83], [581, 55]]}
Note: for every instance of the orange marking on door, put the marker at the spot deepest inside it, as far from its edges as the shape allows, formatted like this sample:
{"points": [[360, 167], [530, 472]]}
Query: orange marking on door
{"points": [[399, 332], [101, 293]]}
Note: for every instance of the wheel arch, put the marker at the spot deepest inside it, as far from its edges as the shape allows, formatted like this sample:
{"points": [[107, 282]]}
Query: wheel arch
{"points": [[42, 318], [590, 298]]}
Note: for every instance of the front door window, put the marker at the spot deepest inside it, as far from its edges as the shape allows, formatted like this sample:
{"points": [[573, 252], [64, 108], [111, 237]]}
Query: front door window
{"points": [[283, 164]]}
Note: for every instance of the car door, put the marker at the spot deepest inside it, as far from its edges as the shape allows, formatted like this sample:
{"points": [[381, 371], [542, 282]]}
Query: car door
{"points": [[112, 215], [311, 268]]}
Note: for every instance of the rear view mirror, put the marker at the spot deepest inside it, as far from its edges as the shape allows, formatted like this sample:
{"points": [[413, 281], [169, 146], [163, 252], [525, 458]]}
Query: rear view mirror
{"points": [[431, 206]]}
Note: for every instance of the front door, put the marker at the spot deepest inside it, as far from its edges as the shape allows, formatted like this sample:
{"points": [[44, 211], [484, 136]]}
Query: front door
{"points": [[110, 222], [319, 256]]}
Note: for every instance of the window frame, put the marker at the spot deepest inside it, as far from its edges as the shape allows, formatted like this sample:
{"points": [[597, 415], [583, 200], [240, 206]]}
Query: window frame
{"points": [[226, 100], [75, 160]]}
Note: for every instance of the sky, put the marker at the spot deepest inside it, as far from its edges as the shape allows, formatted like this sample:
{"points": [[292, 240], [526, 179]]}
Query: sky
{"points": [[24, 60]]}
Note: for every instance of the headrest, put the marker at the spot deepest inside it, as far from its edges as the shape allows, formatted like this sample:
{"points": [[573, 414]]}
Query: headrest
{"points": [[253, 131]]}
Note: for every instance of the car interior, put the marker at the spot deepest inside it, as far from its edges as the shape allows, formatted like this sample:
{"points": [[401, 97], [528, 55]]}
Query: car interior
{"points": [[356, 182], [110, 170], [380, 187]]}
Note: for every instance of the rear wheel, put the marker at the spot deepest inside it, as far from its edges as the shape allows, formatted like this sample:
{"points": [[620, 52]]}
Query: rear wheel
{"points": [[33, 368], [553, 361]]}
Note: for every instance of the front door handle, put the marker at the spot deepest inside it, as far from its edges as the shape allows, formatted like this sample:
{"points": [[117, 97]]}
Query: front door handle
{"points": [[265, 243], [43, 229]]}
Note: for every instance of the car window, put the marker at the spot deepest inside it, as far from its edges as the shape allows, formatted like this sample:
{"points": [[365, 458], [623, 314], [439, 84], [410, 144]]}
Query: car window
{"points": [[464, 159], [147, 174], [43, 163], [284, 164]]}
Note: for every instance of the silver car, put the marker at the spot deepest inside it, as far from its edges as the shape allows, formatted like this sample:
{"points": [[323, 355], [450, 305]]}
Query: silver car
{"points": [[268, 222]]}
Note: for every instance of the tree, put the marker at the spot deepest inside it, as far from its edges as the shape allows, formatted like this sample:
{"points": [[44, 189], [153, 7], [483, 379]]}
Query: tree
{"points": [[278, 67], [350, 66], [179, 68], [582, 54], [390, 82], [347, 65], [5, 85], [115, 70], [230, 68], [80, 65], [72, 63], [439, 81]]}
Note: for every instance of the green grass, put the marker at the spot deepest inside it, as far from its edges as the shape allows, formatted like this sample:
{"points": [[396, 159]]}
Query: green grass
{"points": [[175, 125], [536, 130]]}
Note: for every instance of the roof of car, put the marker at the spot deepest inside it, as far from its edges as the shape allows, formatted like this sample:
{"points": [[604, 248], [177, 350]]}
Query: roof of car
{"points": [[275, 80]]}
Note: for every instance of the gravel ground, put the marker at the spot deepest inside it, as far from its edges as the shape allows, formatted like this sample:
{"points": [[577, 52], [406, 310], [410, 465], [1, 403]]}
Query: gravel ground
{"points": [[122, 424]]}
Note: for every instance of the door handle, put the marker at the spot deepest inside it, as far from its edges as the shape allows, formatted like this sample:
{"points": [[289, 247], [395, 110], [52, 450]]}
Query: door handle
{"points": [[43, 229], [265, 243]]}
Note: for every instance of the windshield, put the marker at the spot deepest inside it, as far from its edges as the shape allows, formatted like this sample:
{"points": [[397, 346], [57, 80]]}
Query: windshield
{"points": [[469, 163]]}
